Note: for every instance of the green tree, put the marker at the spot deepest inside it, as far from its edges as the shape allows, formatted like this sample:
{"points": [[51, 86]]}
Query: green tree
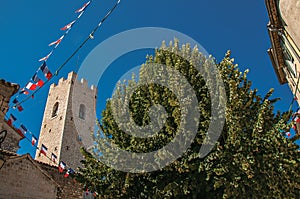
{"points": [[251, 159]]}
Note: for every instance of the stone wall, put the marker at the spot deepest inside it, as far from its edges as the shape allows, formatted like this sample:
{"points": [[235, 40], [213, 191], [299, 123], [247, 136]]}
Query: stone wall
{"points": [[6, 91], [64, 133], [11, 141], [69, 188], [52, 127], [22, 178]]}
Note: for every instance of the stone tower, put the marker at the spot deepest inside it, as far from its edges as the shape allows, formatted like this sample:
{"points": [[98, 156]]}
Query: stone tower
{"points": [[68, 121]]}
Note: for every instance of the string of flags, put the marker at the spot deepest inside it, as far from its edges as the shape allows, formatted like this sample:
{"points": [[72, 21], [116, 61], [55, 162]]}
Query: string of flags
{"points": [[36, 81], [62, 166], [29, 136], [46, 71]]}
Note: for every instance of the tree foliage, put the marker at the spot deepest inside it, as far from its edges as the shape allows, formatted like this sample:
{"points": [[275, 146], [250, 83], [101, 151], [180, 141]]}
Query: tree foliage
{"points": [[250, 160]]}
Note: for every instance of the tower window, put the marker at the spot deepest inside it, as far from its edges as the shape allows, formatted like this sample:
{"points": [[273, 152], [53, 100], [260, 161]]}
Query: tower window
{"points": [[82, 111], [55, 109]]}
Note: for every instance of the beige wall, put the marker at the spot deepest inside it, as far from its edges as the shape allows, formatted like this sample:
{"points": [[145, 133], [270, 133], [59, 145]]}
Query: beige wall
{"points": [[52, 127], [290, 12], [86, 96]]}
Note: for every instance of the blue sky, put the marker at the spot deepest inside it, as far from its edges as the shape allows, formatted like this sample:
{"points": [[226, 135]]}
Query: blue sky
{"points": [[27, 27]]}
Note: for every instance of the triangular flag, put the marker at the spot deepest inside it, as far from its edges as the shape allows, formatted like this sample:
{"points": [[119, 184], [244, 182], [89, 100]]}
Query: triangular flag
{"points": [[288, 134], [44, 150], [61, 167], [33, 140], [37, 80], [11, 120], [83, 7], [31, 86], [46, 57], [68, 26], [57, 41], [46, 71]]}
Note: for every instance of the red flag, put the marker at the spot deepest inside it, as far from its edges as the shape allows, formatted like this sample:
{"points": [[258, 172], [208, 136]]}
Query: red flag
{"points": [[68, 26], [57, 41], [20, 108], [83, 7], [31, 86]]}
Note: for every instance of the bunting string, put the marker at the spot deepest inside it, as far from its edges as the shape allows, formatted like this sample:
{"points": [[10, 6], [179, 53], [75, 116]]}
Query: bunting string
{"points": [[38, 83], [35, 84], [62, 166], [90, 36], [35, 87], [23, 132]]}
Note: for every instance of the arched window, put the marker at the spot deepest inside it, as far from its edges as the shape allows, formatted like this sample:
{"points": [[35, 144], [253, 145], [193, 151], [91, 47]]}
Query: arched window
{"points": [[82, 111], [55, 109]]}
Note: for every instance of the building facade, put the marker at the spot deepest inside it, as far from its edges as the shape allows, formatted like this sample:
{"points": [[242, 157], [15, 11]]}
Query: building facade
{"points": [[284, 32], [68, 122]]}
